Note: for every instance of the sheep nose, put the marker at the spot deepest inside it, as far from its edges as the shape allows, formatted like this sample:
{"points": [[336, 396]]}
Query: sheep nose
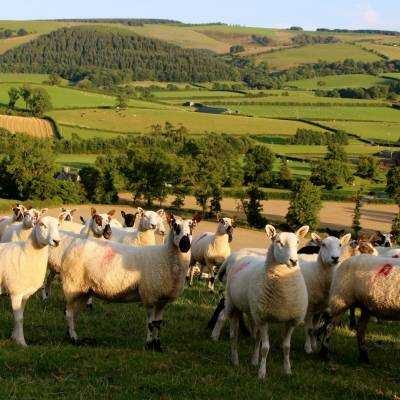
{"points": [[387, 244], [335, 259], [293, 262]]}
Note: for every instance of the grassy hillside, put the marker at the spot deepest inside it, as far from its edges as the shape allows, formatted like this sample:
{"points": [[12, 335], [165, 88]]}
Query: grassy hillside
{"points": [[393, 52], [10, 43], [338, 81], [140, 120], [313, 53], [32, 126]]}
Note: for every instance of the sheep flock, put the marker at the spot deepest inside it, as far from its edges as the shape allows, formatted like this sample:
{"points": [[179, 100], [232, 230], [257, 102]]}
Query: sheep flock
{"points": [[152, 256]]}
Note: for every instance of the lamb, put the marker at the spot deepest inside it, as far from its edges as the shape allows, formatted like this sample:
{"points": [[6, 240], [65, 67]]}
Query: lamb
{"points": [[313, 247], [370, 283], [318, 277], [23, 267], [17, 215], [147, 222], [98, 225], [210, 250], [267, 289], [152, 275], [22, 230]]}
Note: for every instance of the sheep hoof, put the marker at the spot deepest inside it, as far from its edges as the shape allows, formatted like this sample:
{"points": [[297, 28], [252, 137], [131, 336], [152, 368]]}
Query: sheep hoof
{"points": [[363, 358], [324, 353], [89, 307], [154, 345]]}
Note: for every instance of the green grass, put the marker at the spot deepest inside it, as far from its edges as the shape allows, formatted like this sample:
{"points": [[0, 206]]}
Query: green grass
{"points": [[195, 94], [23, 78], [338, 81], [393, 52], [140, 120], [62, 97], [371, 130], [113, 364], [67, 132], [394, 75], [314, 53], [330, 113], [76, 160]]}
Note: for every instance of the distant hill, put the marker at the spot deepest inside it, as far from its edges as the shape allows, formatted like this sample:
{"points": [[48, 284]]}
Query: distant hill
{"points": [[70, 51]]}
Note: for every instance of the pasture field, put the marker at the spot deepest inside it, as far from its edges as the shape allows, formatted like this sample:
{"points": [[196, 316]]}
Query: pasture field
{"points": [[62, 97], [393, 52], [140, 121], [24, 78], [389, 131], [76, 160], [313, 53], [349, 113], [40, 27], [338, 81], [9, 43], [85, 133], [36, 127], [195, 94], [393, 75], [111, 362]]}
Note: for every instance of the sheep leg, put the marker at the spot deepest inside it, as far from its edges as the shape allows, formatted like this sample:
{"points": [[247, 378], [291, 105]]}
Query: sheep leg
{"points": [[211, 278], [89, 303], [150, 318], [18, 306], [46, 288], [72, 310], [353, 320], [256, 353], [154, 317], [361, 329], [191, 274], [286, 348], [263, 332], [234, 335], [308, 327], [218, 326]]}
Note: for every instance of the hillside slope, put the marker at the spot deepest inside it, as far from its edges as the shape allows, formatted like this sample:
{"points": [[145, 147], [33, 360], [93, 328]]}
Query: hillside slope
{"points": [[138, 57]]}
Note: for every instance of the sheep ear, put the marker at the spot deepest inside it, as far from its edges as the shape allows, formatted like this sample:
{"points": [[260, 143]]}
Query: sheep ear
{"points": [[196, 218], [271, 231], [140, 210], [161, 213], [74, 210], [345, 240], [44, 211], [123, 214], [302, 232], [316, 238], [111, 213], [61, 217], [170, 218], [93, 211]]}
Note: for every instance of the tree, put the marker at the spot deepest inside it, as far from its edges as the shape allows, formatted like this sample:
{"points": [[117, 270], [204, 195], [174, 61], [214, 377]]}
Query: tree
{"points": [[367, 167], [393, 183], [54, 79], [258, 165], [22, 32], [356, 225], [253, 208], [25, 92], [285, 174], [13, 95], [39, 102], [330, 173], [396, 228], [121, 100], [336, 152], [237, 48], [215, 203], [304, 206]]}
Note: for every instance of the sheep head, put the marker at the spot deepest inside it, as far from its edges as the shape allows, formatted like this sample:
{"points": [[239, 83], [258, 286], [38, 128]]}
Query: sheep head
{"points": [[46, 231], [18, 212], [331, 248], [181, 231], [225, 226], [284, 244], [66, 214]]}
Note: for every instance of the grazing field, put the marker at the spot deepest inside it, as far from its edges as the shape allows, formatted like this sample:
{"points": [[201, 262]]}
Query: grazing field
{"points": [[195, 94], [393, 75], [67, 132], [393, 52], [319, 112], [24, 78], [370, 130], [76, 160], [140, 121], [338, 81], [313, 53], [10, 43], [32, 126]]}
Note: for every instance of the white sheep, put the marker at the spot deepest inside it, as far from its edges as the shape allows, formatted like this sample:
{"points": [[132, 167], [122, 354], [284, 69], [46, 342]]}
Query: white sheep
{"points": [[143, 232], [210, 250], [152, 275], [370, 283], [318, 275], [22, 230], [17, 215], [267, 289], [23, 267]]}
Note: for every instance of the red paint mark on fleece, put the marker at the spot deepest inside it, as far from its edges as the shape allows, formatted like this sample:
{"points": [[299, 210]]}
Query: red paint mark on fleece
{"points": [[2, 219], [108, 256], [384, 271], [239, 268]]}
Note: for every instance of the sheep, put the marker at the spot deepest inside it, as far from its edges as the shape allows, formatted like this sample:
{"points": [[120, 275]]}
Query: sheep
{"points": [[22, 230], [370, 283], [210, 250], [147, 222], [17, 215], [96, 226], [318, 277], [152, 275], [267, 289], [23, 267], [313, 248], [128, 219]]}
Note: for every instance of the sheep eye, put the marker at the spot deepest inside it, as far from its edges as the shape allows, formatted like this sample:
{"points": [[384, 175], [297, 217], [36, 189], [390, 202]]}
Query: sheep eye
{"points": [[323, 245]]}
